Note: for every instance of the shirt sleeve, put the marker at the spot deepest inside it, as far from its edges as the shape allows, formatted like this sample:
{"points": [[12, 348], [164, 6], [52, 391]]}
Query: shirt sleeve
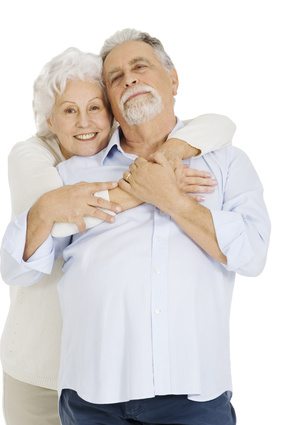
{"points": [[207, 132], [14, 270], [242, 226]]}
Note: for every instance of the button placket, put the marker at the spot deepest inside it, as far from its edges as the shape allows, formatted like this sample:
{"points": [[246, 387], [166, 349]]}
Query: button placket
{"points": [[161, 363]]}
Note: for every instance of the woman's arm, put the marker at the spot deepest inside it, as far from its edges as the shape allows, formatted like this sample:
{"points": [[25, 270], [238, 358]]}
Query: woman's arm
{"points": [[200, 135], [32, 173], [207, 132], [70, 203]]}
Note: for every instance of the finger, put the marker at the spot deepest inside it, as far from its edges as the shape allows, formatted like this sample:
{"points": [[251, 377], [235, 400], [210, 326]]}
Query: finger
{"points": [[134, 166], [96, 201], [139, 161], [196, 188], [97, 187], [198, 198], [201, 181], [81, 224], [124, 185], [126, 176], [101, 215], [158, 158], [177, 168], [190, 172]]}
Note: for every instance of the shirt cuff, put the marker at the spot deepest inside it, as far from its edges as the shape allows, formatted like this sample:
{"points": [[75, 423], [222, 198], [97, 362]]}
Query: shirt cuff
{"points": [[232, 239], [41, 260]]}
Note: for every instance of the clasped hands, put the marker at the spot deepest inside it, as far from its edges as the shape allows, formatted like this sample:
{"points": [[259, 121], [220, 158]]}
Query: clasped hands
{"points": [[159, 181]]}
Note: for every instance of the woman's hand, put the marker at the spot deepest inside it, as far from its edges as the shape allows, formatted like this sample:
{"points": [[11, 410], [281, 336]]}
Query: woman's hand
{"points": [[196, 181], [175, 150], [68, 204]]}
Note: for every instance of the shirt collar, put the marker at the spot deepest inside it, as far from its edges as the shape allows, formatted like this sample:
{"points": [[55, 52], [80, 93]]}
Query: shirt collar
{"points": [[115, 143]]}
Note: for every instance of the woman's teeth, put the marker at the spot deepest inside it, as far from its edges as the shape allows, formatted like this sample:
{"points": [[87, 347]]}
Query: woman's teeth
{"points": [[86, 136]]}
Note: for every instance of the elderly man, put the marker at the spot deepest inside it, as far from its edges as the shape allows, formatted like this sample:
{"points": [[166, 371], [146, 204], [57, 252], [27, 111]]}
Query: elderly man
{"points": [[146, 300]]}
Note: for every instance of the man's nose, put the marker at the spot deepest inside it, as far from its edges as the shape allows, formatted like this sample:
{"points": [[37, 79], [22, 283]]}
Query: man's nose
{"points": [[130, 80]]}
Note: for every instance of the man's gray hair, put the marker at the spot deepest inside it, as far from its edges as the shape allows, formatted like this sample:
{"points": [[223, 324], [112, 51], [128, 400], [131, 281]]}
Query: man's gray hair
{"points": [[72, 64], [129, 34]]}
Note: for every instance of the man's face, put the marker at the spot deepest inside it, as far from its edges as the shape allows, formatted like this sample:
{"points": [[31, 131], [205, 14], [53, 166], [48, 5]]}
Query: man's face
{"points": [[138, 86]]}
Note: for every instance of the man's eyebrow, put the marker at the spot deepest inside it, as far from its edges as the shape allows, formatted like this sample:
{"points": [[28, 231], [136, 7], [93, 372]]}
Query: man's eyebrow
{"points": [[139, 59], [132, 62], [113, 71]]}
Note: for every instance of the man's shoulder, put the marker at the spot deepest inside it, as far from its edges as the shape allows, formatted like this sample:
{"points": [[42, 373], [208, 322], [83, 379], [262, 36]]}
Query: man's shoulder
{"points": [[227, 153]]}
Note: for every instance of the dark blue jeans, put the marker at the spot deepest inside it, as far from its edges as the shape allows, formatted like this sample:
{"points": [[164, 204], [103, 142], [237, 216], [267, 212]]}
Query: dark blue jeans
{"points": [[169, 410]]}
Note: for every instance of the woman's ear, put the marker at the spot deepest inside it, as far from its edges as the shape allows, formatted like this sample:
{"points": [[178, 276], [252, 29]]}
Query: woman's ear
{"points": [[49, 122]]}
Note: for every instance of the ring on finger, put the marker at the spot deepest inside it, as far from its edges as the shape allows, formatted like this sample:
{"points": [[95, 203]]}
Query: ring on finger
{"points": [[127, 177]]}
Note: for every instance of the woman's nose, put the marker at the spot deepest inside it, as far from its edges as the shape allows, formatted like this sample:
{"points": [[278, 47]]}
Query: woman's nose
{"points": [[83, 120]]}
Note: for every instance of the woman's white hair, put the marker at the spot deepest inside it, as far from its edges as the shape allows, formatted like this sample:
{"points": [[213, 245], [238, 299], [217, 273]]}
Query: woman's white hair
{"points": [[72, 64], [129, 34]]}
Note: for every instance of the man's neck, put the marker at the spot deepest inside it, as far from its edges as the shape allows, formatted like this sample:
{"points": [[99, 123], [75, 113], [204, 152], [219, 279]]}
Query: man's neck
{"points": [[145, 139]]}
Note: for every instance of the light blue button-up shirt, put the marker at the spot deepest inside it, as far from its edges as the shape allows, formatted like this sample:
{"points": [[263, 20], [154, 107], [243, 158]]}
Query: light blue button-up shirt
{"points": [[145, 310]]}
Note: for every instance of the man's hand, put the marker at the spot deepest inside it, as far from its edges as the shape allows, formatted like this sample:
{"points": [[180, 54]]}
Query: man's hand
{"points": [[152, 182], [155, 183], [190, 181]]}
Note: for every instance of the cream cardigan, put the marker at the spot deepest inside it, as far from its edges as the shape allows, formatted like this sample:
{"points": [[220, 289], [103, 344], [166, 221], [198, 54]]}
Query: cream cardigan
{"points": [[30, 345]]}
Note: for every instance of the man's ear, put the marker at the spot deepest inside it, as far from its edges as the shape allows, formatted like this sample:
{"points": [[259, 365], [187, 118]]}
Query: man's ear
{"points": [[175, 81]]}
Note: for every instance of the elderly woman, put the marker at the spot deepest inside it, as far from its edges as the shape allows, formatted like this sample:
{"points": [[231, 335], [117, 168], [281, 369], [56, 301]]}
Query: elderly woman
{"points": [[73, 117]]}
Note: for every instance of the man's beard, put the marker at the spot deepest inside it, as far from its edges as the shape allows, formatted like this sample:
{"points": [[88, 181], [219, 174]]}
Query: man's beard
{"points": [[142, 108]]}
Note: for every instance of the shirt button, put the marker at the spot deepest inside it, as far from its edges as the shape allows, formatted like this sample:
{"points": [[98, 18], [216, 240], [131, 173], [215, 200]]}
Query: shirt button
{"points": [[159, 239], [157, 271], [157, 311]]}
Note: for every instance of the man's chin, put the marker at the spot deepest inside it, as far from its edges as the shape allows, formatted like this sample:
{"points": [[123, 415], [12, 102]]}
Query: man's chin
{"points": [[138, 116]]}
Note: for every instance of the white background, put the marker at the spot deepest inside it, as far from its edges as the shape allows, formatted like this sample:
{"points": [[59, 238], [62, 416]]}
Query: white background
{"points": [[229, 58]]}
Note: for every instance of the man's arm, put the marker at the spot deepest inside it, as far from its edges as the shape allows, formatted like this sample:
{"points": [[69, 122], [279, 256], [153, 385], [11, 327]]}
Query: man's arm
{"points": [[155, 183], [237, 234]]}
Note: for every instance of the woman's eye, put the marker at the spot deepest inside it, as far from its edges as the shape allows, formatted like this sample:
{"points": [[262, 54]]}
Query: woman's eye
{"points": [[94, 108], [69, 111]]}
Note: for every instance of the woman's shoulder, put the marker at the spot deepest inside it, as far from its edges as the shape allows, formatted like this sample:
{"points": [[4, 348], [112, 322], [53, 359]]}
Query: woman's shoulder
{"points": [[36, 147]]}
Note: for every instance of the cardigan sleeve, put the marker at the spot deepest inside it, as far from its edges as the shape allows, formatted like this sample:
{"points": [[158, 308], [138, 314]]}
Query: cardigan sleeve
{"points": [[31, 172], [207, 132]]}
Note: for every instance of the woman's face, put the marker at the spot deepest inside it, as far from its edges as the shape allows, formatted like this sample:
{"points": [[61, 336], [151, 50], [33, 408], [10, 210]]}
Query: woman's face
{"points": [[80, 119]]}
